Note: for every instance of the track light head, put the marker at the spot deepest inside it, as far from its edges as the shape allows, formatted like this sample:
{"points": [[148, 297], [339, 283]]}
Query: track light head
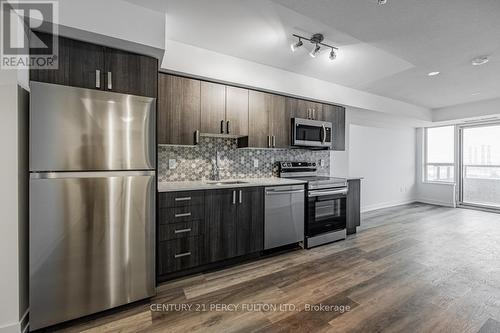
{"points": [[315, 51], [295, 46], [333, 55]]}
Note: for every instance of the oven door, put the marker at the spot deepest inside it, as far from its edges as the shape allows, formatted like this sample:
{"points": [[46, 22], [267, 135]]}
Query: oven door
{"points": [[326, 211], [311, 133]]}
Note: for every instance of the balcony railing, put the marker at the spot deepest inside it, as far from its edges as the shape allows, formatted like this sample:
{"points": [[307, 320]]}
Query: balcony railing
{"points": [[481, 171], [440, 172]]}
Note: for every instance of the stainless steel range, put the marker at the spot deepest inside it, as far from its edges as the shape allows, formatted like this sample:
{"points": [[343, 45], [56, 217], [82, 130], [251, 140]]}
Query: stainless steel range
{"points": [[325, 206]]}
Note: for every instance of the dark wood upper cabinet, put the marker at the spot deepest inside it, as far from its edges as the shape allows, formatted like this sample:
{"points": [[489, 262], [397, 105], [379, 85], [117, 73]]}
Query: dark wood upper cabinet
{"points": [[86, 65], [236, 111], [336, 115], [280, 122], [80, 64], [259, 114], [213, 108], [179, 105], [299, 108], [130, 73]]}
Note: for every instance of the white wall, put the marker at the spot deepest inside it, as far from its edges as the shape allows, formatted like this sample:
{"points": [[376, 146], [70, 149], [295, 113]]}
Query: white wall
{"points": [[13, 198], [385, 158], [196, 61], [481, 109]]}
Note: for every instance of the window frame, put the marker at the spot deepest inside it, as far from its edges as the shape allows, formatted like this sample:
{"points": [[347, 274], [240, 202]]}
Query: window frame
{"points": [[426, 163]]}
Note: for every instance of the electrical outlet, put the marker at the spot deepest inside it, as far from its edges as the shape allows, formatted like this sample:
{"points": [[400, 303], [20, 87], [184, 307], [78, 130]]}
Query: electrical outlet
{"points": [[322, 162], [255, 163], [172, 163]]}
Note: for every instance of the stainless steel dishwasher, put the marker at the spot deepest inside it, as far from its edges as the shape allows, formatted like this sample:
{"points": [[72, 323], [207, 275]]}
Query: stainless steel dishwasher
{"points": [[284, 215]]}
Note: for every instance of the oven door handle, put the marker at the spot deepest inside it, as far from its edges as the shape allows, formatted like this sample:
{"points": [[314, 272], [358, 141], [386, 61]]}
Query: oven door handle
{"points": [[324, 134], [323, 193]]}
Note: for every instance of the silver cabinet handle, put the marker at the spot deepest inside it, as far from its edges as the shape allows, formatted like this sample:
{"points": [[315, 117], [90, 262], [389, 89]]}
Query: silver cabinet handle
{"points": [[314, 113], [268, 141], [180, 255], [323, 193], [274, 141], [183, 215], [183, 199], [275, 192], [196, 137], [222, 126], [241, 196], [110, 83], [181, 231], [227, 127], [97, 78], [234, 197]]}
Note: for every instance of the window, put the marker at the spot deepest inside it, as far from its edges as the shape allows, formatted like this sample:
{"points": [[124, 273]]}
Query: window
{"points": [[439, 154]]}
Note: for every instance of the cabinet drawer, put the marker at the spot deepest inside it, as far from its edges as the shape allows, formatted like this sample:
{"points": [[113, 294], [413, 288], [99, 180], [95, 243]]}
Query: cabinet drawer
{"points": [[181, 199], [179, 254], [181, 214], [179, 230]]}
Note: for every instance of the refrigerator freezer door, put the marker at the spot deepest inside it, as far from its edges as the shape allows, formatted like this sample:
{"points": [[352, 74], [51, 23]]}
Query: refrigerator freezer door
{"points": [[92, 239], [76, 129]]}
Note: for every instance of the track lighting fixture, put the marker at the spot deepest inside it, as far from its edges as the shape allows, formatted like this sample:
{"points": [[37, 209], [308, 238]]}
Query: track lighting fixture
{"points": [[317, 41], [333, 55], [315, 51], [295, 46]]}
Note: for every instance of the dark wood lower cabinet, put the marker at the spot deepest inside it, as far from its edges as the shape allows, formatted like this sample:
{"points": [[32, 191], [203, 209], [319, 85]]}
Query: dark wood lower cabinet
{"points": [[221, 224], [229, 224], [250, 221], [353, 205]]}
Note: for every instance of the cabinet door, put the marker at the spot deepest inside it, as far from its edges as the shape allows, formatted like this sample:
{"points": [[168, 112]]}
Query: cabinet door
{"points": [[280, 122], [236, 111], [78, 63], [259, 112], [300, 108], [250, 221], [130, 73], [178, 110], [336, 115], [213, 108], [353, 206], [221, 211]]}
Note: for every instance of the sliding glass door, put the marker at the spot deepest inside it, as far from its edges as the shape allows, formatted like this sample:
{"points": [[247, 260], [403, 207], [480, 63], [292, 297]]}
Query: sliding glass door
{"points": [[480, 165]]}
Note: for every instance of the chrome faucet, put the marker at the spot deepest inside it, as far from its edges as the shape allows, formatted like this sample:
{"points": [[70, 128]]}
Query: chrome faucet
{"points": [[215, 169]]}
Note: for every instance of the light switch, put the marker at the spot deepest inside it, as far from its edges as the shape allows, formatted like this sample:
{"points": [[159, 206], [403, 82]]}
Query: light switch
{"points": [[172, 163], [322, 163]]}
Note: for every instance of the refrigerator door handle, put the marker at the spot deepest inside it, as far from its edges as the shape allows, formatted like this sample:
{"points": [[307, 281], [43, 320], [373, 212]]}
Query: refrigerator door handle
{"points": [[89, 174]]}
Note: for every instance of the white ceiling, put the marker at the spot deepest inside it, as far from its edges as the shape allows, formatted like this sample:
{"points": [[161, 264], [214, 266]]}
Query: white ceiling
{"points": [[386, 50]]}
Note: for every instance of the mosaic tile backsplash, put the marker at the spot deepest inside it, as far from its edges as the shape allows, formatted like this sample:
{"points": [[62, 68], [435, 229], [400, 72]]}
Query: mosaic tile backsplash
{"points": [[196, 162]]}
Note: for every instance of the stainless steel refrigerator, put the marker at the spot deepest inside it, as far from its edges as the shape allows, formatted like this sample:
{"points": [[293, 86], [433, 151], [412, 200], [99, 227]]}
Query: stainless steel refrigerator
{"points": [[92, 201]]}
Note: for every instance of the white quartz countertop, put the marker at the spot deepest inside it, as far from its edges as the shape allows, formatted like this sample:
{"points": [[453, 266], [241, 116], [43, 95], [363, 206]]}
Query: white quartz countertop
{"points": [[208, 185]]}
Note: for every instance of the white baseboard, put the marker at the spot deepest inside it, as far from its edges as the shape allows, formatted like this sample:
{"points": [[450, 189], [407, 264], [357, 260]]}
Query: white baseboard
{"points": [[11, 328], [436, 202], [388, 204]]}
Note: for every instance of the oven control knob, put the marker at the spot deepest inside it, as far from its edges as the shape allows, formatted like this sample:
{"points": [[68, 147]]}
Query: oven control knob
{"points": [[313, 164]]}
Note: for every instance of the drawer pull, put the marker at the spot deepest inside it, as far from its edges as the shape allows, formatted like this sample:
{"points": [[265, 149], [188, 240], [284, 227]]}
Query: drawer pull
{"points": [[183, 199], [181, 231], [183, 214], [180, 255]]}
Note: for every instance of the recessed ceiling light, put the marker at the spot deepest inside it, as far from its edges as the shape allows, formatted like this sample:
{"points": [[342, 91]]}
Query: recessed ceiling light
{"points": [[480, 61], [433, 73]]}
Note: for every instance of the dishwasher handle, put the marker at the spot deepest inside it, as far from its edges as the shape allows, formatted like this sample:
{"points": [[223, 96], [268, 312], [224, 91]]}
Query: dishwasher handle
{"points": [[277, 192]]}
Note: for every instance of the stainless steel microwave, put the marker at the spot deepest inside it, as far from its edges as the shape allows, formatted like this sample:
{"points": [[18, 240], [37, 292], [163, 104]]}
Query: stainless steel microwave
{"points": [[311, 133]]}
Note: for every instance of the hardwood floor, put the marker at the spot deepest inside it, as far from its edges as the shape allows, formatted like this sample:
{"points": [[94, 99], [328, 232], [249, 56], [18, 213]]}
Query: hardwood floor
{"points": [[413, 268]]}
